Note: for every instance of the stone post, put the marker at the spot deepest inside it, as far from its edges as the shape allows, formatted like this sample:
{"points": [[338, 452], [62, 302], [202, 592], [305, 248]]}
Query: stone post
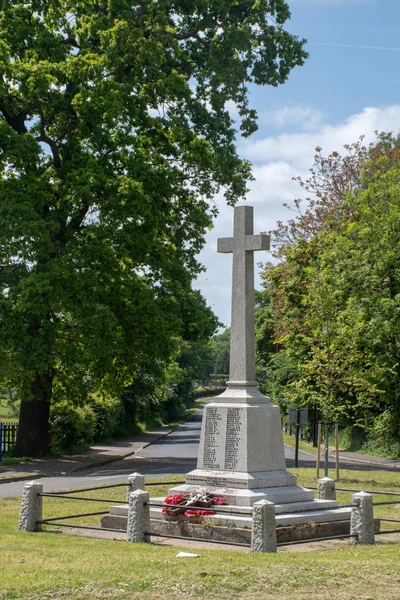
{"points": [[138, 517], [362, 519], [326, 489], [31, 507], [263, 535], [135, 482]]}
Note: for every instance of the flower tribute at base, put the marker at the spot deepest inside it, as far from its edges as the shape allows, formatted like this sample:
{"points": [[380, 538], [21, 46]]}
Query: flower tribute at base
{"points": [[195, 504]]}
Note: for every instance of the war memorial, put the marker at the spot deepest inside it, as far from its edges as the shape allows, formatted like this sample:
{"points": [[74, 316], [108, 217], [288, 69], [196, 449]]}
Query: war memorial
{"points": [[241, 454], [249, 497]]}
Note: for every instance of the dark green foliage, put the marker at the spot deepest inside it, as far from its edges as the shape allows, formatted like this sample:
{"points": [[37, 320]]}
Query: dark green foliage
{"points": [[190, 367], [275, 378], [205, 391], [336, 294], [73, 428], [219, 354], [110, 418], [275, 372], [115, 136], [99, 420]]}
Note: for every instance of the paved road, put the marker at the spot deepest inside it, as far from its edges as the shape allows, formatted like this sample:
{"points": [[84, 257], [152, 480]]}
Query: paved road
{"points": [[173, 454]]}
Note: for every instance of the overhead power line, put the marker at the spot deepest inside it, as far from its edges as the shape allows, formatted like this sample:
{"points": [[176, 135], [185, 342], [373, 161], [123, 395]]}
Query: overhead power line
{"points": [[354, 46]]}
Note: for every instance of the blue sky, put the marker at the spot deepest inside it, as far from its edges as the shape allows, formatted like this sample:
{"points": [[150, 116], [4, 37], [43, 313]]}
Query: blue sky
{"points": [[349, 86]]}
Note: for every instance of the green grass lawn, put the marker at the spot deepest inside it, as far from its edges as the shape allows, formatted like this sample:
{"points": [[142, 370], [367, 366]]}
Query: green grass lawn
{"points": [[6, 413], [50, 565], [290, 440]]}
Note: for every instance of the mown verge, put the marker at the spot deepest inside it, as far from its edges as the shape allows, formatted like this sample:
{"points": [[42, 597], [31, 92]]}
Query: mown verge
{"points": [[54, 566]]}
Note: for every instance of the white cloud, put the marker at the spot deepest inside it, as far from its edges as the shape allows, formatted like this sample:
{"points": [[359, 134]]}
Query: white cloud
{"points": [[232, 109], [306, 117], [278, 159], [298, 148]]}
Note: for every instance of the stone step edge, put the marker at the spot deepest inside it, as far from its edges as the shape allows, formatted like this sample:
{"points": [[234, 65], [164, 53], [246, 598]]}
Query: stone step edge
{"points": [[245, 510], [287, 490], [279, 507], [278, 495], [306, 518], [323, 516], [235, 479], [284, 533], [310, 513]]}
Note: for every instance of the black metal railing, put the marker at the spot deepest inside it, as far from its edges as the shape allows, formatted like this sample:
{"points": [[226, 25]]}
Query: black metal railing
{"points": [[8, 437], [69, 495], [150, 483], [214, 509], [337, 489]]}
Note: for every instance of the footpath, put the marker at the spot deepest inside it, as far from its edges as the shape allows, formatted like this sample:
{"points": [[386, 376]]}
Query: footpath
{"points": [[364, 460], [97, 456], [94, 457]]}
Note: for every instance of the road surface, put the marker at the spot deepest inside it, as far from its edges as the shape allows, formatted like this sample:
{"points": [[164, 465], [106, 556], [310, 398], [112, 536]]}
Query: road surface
{"points": [[173, 454]]}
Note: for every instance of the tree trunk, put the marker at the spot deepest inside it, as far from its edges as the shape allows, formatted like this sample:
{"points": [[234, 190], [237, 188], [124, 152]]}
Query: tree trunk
{"points": [[33, 438]]}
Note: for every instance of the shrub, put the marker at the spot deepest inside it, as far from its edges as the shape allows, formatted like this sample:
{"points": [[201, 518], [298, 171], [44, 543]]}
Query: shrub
{"points": [[109, 417], [203, 391], [384, 436], [71, 427], [352, 438]]}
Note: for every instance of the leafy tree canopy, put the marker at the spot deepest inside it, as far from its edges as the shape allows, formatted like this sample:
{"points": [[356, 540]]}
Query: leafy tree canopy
{"points": [[115, 135], [336, 291]]}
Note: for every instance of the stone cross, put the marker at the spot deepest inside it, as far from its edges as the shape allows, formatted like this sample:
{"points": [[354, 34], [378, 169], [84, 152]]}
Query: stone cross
{"points": [[243, 244], [241, 452]]}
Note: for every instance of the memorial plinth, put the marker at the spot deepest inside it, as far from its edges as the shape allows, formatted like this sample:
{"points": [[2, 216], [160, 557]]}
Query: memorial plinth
{"points": [[241, 455]]}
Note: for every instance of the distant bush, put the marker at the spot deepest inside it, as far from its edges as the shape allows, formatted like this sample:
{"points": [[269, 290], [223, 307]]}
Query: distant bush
{"points": [[379, 439], [71, 427], [101, 419], [144, 405], [352, 438], [383, 436], [219, 377], [109, 417], [203, 391]]}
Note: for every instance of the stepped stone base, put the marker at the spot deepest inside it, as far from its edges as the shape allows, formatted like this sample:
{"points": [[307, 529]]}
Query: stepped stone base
{"points": [[240, 535], [294, 513], [238, 480], [247, 497]]}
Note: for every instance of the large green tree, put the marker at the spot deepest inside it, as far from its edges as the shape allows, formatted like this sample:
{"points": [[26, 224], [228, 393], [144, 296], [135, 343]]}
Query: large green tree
{"points": [[336, 291], [115, 135]]}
